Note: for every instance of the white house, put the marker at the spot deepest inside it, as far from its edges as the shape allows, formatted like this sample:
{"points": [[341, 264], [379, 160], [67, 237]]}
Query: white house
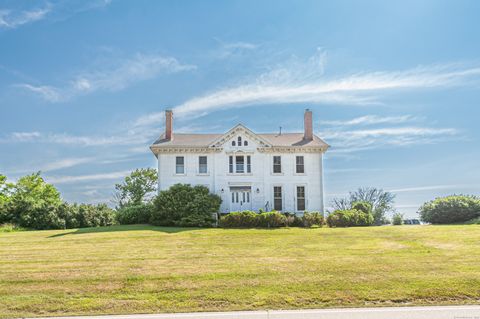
{"points": [[249, 171]]}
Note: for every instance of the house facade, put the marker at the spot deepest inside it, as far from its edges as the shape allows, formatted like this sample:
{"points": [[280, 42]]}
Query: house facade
{"points": [[249, 171]]}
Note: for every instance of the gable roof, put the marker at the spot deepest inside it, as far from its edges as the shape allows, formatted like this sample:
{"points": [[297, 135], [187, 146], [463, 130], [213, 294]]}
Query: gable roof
{"points": [[209, 140]]}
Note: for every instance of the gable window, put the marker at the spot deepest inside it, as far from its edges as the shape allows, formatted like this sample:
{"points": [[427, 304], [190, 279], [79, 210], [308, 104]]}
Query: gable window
{"points": [[300, 166], [245, 143], [277, 198], [300, 198], [239, 164], [179, 165], [202, 165], [239, 141], [249, 164], [230, 164], [233, 143], [277, 164]]}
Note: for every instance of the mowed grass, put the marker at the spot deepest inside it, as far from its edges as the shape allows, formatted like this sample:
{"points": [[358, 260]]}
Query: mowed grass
{"points": [[145, 269]]}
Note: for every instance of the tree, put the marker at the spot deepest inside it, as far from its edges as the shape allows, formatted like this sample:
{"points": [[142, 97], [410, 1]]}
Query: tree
{"points": [[137, 188], [33, 203], [380, 200], [5, 189]]}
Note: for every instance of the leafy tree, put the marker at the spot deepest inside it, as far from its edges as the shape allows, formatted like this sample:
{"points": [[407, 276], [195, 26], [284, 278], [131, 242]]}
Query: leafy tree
{"points": [[5, 189], [137, 188], [33, 203], [380, 201]]}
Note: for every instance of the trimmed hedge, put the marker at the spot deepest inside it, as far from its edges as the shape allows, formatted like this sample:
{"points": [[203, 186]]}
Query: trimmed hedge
{"points": [[451, 209], [135, 214], [273, 219], [349, 218]]}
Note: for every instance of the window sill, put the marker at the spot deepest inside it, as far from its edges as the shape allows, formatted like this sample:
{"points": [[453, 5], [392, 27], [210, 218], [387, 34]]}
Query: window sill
{"points": [[300, 174], [183, 174], [277, 174], [203, 174], [239, 174]]}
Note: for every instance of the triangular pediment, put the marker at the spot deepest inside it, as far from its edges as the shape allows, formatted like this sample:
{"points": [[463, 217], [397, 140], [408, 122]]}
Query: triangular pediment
{"points": [[236, 130]]}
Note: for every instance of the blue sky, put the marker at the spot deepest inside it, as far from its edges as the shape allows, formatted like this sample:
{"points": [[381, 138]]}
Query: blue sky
{"points": [[394, 87]]}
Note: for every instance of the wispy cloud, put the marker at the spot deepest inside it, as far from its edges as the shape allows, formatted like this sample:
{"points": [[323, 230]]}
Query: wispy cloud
{"points": [[118, 76], [305, 82], [86, 178], [10, 19], [125, 138], [428, 188], [358, 140], [370, 120], [230, 49]]}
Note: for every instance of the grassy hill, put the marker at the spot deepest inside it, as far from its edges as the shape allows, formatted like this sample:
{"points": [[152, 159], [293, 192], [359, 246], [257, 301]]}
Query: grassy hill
{"points": [[141, 269]]}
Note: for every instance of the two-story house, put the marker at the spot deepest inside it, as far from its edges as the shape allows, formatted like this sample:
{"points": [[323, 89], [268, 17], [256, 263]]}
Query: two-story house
{"points": [[249, 171]]}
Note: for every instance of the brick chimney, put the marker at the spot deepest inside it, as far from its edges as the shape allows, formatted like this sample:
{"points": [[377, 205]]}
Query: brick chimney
{"points": [[169, 124], [308, 125]]}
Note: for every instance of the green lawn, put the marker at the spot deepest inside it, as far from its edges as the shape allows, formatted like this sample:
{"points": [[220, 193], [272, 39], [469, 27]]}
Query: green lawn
{"points": [[142, 269]]}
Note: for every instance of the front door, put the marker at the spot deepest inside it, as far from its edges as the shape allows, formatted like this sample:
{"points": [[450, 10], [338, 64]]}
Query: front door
{"points": [[240, 200]]}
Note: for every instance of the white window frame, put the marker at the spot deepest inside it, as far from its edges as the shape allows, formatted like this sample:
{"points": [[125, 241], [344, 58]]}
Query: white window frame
{"points": [[295, 166], [305, 198], [283, 196], [272, 160], [184, 166], [200, 165]]}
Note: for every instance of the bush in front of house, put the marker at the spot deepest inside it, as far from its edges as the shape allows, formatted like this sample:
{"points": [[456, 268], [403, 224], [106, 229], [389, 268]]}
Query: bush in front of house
{"points": [[450, 209], [135, 214], [310, 219], [271, 219], [185, 205], [397, 219], [242, 219], [349, 218]]}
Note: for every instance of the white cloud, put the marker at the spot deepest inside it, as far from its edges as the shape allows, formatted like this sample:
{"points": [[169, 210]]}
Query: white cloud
{"points": [[358, 140], [85, 178], [12, 20], [66, 163], [427, 188], [370, 120], [305, 82], [118, 76]]}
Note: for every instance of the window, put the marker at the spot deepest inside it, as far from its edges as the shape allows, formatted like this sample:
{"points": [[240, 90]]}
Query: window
{"points": [[180, 165], [233, 143], [300, 167], [249, 164], [300, 198], [202, 165], [239, 164], [277, 164], [239, 141], [245, 143], [230, 165], [277, 198]]}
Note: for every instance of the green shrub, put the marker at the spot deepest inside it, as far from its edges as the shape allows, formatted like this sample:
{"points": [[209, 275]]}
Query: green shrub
{"points": [[246, 219], [397, 219], [362, 206], [475, 221], [271, 219], [349, 218], [312, 219], [135, 214], [86, 215], [450, 209], [184, 205]]}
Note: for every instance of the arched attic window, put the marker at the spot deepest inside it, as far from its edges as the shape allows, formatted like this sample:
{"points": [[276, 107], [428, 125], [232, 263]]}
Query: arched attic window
{"points": [[239, 141], [233, 143], [245, 143]]}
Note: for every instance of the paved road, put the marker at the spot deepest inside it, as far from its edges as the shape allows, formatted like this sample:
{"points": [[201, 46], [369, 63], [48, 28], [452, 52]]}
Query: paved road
{"points": [[447, 312]]}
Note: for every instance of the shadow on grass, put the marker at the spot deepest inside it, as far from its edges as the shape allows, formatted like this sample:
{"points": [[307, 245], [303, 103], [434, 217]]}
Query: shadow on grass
{"points": [[122, 228]]}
